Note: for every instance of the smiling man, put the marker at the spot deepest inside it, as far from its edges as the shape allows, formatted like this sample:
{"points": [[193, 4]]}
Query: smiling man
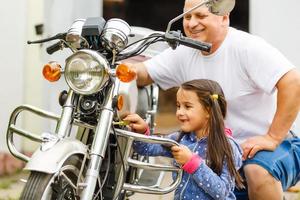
{"points": [[262, 89]]}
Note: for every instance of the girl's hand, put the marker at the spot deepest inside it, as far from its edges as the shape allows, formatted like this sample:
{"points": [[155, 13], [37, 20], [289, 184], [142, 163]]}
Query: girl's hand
{"points": [[136, 123], [182, 154]]}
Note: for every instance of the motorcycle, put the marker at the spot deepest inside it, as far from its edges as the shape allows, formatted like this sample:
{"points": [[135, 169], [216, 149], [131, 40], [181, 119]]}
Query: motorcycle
{"points": [[98, 162]]}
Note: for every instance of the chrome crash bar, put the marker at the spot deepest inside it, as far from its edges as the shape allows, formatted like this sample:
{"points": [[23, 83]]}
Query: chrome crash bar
{"points": [[12, 128], [131, 136]]}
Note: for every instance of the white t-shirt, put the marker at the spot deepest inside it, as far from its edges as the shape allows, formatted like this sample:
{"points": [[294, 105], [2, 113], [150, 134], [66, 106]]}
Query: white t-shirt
{"points": [[246, 67]]}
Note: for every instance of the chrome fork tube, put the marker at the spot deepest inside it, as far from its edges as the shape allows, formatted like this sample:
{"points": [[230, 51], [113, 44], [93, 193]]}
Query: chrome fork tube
{"points": [[64, 125], [99, 144]]}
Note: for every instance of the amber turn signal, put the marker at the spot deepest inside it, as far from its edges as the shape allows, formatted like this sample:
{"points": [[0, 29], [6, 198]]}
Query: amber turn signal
{"points": [[125, 73], [52, 71]]}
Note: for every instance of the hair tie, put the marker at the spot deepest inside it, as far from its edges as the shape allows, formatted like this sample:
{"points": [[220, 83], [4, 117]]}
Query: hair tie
{"points": [[214, 96]]}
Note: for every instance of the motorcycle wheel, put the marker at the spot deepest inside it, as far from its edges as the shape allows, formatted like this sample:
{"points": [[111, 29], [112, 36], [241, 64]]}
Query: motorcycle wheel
{"points": [[43, 186]]}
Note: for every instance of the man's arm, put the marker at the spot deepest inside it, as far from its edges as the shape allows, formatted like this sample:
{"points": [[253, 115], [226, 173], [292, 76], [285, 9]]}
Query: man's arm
{"points": [[288, 105], [143, 77]]}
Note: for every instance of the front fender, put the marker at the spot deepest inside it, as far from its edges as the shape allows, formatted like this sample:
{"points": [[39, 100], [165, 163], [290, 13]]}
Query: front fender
{"points": [[51, 160]]}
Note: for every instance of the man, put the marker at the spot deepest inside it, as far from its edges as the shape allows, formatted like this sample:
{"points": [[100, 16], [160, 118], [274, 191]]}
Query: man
{"points": [[262, 89]]}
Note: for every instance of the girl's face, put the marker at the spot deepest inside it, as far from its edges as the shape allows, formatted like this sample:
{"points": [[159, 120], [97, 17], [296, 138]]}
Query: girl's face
{"points": [[190, 112]]}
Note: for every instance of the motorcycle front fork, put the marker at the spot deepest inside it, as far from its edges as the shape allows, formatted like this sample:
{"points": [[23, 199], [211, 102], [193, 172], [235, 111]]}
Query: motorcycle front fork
{"points": [[99, 145], [97, 154]]}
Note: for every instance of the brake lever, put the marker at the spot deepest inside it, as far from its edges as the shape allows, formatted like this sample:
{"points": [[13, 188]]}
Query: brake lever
{"points": [[59, 36]]}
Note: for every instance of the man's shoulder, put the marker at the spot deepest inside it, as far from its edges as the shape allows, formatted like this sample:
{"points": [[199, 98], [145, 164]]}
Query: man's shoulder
{"points": [[242, 40], [236, 33]]}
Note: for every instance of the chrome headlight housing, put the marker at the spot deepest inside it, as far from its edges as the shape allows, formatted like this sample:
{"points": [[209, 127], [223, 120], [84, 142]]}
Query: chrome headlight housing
{"points": [[86, 72]]}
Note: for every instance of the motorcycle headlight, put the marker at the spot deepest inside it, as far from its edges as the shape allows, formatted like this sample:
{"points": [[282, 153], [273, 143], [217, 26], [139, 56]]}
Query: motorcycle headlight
{"points": [[86, 72]]}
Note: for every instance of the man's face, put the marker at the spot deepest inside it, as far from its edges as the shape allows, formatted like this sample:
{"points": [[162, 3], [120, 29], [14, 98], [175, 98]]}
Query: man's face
{"points": [[202, 25]]}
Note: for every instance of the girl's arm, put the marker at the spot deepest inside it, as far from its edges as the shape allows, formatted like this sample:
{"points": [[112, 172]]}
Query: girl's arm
{"points": [[137, 124], [150, 149], [217, 186]]}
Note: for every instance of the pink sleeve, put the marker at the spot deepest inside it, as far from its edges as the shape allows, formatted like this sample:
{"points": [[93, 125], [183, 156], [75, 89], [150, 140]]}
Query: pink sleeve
{"points": [[192, 165], [228, 132]]}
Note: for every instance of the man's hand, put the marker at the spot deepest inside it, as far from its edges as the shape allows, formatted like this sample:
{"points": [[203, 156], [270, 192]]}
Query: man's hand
{"points": [[254, 144], [182, 154]]}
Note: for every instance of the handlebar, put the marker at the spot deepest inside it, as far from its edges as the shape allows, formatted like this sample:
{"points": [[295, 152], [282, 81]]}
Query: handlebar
{"points": [[54, 47], [174, 38], [195, 44]]}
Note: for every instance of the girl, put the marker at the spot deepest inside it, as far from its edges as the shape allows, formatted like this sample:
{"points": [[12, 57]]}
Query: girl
{"points": [[207, 153]]}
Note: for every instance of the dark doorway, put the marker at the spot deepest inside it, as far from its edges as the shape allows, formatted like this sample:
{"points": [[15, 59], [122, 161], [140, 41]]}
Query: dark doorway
{"points": [[239, 17], [156, 14]]}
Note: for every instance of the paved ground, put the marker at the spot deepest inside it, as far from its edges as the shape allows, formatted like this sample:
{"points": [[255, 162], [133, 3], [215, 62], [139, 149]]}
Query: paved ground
{"points": [[11, 187]]}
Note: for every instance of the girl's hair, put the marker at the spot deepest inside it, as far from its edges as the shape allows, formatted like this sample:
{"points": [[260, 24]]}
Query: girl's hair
{"points": [[212, 98]]}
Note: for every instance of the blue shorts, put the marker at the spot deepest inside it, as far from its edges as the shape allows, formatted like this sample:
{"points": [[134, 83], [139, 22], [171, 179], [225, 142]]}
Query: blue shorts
{"points": [[283, 163]]}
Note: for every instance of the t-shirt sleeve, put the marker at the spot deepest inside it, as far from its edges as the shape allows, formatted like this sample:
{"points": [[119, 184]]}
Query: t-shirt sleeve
{"points": [[163, 69], [265, 64]]}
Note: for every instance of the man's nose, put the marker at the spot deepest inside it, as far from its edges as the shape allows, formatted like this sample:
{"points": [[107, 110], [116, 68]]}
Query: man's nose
{"points": [[193, 22]]}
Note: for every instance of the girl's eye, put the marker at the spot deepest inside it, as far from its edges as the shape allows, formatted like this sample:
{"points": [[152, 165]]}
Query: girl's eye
{"points": [[188, 106]]}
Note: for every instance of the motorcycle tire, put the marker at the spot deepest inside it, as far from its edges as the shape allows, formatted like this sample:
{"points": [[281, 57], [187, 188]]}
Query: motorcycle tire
{"points": [[43, 186]]}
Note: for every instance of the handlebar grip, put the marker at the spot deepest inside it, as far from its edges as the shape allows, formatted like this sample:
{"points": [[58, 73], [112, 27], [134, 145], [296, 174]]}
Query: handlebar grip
{"points": [[203, 46], [53, 48]]}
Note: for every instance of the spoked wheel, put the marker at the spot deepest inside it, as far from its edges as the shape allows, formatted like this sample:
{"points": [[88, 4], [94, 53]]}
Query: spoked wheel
{"points": [[59, 186]]}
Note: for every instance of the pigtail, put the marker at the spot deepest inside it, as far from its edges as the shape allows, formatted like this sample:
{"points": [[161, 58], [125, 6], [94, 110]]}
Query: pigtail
{"points": [[219, 148]]}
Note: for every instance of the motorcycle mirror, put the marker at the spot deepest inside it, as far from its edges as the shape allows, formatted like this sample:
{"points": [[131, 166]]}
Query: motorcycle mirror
{"points": [[221, 7], [217, 7]]}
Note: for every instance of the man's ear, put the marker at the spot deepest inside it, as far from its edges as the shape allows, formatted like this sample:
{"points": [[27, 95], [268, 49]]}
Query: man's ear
{"points": [[225, 20]]}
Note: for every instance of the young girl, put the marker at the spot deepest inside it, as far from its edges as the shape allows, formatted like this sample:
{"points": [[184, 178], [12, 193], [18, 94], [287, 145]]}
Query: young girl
{"points": [[207, 153]]}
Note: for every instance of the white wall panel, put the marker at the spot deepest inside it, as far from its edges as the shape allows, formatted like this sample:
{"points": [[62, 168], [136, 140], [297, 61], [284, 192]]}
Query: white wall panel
{"points": [[278, 22], [13, 21]]}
